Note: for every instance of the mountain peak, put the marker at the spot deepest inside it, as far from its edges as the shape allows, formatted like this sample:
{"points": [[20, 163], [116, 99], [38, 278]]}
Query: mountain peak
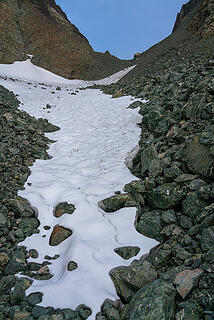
{"points": [[42, 29]]}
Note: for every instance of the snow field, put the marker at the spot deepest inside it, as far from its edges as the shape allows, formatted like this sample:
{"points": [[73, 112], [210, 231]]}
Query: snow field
{"points": [[97, 132]]}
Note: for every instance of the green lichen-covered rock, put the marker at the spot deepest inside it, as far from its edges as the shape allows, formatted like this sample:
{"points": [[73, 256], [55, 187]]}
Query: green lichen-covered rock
{"points": [[149, 224], [168, 216], [46, 126], [136, 104], [63, 208], [72, 266], [128, 280], [155, 301], [188, 312], [127, 252], [116, 202], [109, 311], [28, 224], [160, 255], [34, 298], [166, 195], [6, 283], [83, 311], [192, 205]]}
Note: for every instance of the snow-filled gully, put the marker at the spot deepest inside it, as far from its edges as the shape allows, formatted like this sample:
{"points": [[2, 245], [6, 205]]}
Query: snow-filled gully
{"points": [[97, 132]]}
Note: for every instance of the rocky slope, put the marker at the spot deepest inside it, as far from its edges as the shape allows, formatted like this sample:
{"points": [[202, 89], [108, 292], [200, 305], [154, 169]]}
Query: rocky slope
{"points": [[193, 33], [41, 28], [174, 195], [175, 164], [22, 142]]}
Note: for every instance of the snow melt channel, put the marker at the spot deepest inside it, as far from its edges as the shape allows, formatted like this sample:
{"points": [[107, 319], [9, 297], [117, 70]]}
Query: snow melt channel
{"points": [[87, 165]]}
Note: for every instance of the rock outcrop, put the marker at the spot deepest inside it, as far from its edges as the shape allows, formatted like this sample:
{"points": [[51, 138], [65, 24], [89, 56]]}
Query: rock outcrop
{"points": [[41, 28], [199, 17]]}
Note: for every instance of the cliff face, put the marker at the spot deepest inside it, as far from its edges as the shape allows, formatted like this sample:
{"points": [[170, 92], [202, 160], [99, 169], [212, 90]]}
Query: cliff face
{"points": [[41, 28], [198, 16]]}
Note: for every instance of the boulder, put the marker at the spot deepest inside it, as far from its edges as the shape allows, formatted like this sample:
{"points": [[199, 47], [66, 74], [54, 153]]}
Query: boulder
{"points": [[152, 302], [116, 202], [149, 224], [18, 292], [167, 195], [199, 158], [62, 208], [187, 280], [147, 155], [109, 310], [128, 280], [58, 235], [127, 252]]}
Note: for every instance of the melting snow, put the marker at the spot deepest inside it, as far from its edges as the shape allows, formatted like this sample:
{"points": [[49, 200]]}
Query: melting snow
{"points": [[97, 132]]}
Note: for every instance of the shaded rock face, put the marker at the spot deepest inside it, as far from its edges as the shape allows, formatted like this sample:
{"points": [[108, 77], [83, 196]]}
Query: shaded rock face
{"points": [[40, 28], [185, 10]]}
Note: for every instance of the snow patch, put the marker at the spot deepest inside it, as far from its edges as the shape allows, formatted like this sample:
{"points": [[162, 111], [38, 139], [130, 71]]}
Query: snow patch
{"points": [[87, 165]]}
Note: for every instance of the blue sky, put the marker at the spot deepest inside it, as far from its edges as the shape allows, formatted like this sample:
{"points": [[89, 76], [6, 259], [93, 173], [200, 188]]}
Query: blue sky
{"points": [[122, 26]]}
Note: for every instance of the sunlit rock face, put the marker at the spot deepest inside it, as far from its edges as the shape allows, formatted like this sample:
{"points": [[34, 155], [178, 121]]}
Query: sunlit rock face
{"points": [[41, 28]]}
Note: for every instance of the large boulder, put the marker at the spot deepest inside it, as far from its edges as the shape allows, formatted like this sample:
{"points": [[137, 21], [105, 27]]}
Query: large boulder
{"points": [[128, 280], [155, 301], [117, 202], [58, 235]]}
